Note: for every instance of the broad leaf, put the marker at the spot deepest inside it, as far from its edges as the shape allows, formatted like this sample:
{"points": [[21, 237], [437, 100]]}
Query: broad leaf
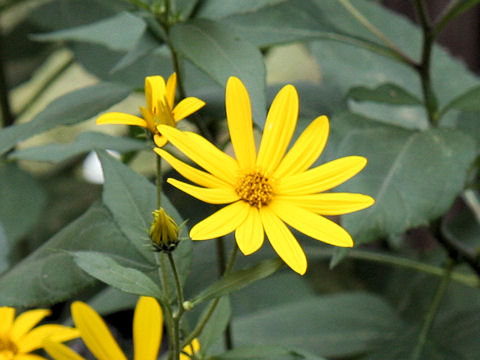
{"points": [[238, 280], [84, 143], [212, 9], [220, 52], [106, 269], [49, 275], [413, 176], [23, 200], [265, 352], [104, 32], [68, 109], [334, 325], [215, 327], [385, 93]]}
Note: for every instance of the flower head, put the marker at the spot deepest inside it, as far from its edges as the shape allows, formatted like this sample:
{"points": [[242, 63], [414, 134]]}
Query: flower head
{"points": [[270, 188], [160, 109], [19, 336], [147, 334]]}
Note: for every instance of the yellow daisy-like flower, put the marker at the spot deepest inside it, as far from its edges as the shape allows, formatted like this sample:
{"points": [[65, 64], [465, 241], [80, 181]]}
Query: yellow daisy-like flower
{"points": [[160, 110], [269, 188], [147, 334], [19, 336]]}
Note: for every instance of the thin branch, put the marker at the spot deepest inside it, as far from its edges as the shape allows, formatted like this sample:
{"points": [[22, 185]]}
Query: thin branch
{"points": [[454, 10]]}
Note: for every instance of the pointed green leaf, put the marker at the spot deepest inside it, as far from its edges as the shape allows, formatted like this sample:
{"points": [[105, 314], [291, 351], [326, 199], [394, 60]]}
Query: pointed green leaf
{"points": [[68, 109], [84, 143], [220, 53], [238, 280], [216, 325], [105, 32], [387, 93], [265, 352], [212, 9], [106, 269], [49, 276]]}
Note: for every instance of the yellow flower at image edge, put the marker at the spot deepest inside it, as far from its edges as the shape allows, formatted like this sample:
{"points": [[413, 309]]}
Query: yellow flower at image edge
{"points": [[270, 188], [19, 336], [147, 334], [160, 110]]}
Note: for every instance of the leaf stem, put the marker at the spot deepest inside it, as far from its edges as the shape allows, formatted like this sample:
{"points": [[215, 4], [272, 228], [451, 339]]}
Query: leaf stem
{"points": [[432, 311], [375, 31], [175, 350], [213, 304], [455, 9], [423, 68], [178, 285]]}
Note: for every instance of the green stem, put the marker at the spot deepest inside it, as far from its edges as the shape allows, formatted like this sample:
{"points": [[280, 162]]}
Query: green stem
{"points": [[455, 9], [423, 68], [178, 285], [159, 182], [464, 279], [373, 29], [432, 311], [222, 261], [211, 308], [7, 115]]}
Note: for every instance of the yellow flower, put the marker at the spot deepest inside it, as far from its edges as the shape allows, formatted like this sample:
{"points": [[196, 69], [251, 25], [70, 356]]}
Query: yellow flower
{"points": [[160, 110], [147, 334], [271, 188], [19, 337]]}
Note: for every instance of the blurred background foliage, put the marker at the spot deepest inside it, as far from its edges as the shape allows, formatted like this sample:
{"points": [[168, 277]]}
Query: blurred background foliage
{"points": [[409, 288]]}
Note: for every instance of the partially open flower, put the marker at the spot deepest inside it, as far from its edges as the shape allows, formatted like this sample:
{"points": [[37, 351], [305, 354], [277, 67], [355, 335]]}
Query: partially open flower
{"points": [[160, 109], [163, 231]]}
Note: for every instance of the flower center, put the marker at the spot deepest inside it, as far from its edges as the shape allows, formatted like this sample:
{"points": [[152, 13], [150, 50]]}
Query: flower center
{"points": [[255, 188], [8, 348]]}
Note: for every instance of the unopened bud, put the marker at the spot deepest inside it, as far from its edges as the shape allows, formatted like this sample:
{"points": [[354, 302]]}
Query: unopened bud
{"points": [[163, 231]]}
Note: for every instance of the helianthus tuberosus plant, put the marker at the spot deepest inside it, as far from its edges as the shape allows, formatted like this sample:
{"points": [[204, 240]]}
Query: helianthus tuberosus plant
{"points": [[338, 191]]}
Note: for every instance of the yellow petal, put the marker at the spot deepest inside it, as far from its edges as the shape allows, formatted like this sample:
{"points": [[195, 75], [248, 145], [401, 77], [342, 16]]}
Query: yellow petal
{"points": [[186, 107], [7, 315], [147, 329], [306, 149], [250, 235], [26, 321], [120, 118], [213, 196], [190, 349], [239, 117], [330, 203], [311, 224], [60, 352], [222, 222], [321, 178], [34, 339], [283, 241], [170, 90], [154, 92], [197, 176], [95, 333], [160, 140], [202, 152], [278, 130], [150, 122], [27, 357]]}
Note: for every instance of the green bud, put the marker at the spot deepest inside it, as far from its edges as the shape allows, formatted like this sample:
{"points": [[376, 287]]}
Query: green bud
{"points": [[163, 231]]}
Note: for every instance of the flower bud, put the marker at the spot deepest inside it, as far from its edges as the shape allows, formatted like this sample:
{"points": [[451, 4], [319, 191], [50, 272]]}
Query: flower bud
{"points": [[163, 231]]}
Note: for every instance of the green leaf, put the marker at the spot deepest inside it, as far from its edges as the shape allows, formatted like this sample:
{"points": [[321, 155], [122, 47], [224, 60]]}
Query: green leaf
{"points": [[49, 276], [264, 352], [238, 280], [104, 32], [212, 9], [4, 245], [106, 269], [413, 176], [22, 204], [131, 198], [111, 300], [219, 52], [68, 109], [468, 101], [334, 325], [385, 93], [84, 143], [216, 325]]}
